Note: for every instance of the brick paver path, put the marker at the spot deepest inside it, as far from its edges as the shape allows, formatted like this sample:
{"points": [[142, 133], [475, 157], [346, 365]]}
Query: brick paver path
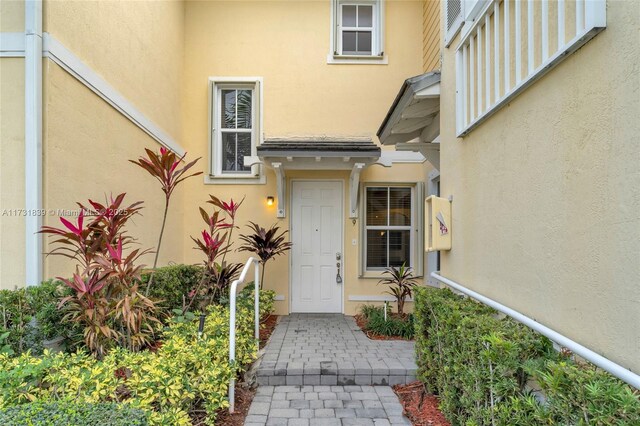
{"points": [[320, 369]]}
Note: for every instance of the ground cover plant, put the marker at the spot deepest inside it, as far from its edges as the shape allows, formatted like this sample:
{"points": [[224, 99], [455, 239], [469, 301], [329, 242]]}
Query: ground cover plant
{"points": [[185, 378], [489, 370], [373, 322]]}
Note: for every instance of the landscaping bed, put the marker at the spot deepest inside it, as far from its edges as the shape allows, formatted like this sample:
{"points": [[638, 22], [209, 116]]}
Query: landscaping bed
{"points": [[373, 324], [419, 406]]}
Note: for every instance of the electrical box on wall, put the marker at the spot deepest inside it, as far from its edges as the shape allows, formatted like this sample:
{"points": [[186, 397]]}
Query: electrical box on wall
{"points": [[438, 227]]}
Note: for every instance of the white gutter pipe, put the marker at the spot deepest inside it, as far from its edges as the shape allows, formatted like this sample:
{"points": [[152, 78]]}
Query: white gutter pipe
{"points": [[33, 140], [586, 353], [232, 319]]}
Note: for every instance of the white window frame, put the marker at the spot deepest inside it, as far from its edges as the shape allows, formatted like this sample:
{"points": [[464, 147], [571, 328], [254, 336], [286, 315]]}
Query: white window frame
{"points": [[378, 55], [216, 85], [416, 260]]}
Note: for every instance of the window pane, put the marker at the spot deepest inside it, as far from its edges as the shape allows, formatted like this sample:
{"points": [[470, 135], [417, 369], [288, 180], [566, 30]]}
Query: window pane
{"points": [[348, 16], [228, 152], [399, 248], [376, 249], [377, 206], [400, 206], [365, 16], [364, 42], [244, 109], [228, 109], [244, 148], [349, 42]]}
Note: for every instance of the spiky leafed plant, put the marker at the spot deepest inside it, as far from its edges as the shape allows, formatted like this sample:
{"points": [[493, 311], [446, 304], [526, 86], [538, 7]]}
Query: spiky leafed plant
{"points": [[266, 244], [164, 167], [401, 281]]}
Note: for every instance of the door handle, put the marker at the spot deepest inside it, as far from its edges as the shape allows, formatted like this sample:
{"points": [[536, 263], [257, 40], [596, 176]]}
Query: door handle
{"points": [[338, 264]]}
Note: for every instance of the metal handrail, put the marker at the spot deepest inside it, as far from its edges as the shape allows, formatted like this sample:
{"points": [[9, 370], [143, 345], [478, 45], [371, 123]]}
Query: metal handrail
{"points": [[617, 370], [232, 319]]}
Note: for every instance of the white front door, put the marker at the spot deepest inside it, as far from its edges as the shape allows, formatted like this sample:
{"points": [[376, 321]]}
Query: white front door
{"points": [[316, 233]]}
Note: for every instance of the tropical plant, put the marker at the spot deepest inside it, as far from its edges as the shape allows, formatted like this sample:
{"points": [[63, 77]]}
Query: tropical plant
{"points": [[402, 281], [215, 244], [391, 326], [172, 285], [43, 413], [105, 299], [266, 244], [164, 167]]}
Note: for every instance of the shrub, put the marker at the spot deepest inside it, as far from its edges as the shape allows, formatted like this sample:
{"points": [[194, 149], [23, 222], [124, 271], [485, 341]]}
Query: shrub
{"points": [[401, 283], [172, 285], [72, 413], [30, 315], [186, 374], [393, 326], [479, 363], [265, 243]]}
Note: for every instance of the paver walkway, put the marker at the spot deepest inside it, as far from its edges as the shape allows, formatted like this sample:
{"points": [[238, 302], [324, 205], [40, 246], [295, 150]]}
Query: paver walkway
{"points": [[321, 369]]}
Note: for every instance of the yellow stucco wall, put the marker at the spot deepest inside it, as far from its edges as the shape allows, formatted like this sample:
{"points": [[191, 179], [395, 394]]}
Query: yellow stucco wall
{"points": [[430, 35], [12, 223], [87, 147], [137, 46], [547, 194], [287, 43], [12, 16]]}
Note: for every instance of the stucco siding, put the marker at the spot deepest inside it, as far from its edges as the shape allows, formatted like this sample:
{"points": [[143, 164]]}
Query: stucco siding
{"points": [[547, 194], [12, 219]]}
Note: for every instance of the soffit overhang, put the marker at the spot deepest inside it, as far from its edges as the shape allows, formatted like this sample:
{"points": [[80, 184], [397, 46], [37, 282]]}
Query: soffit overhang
{"points": [[414, 114]]}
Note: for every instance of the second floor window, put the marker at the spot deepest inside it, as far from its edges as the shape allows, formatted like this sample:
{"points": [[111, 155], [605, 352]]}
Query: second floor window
{"points": [[358, 28], [235, 127]]}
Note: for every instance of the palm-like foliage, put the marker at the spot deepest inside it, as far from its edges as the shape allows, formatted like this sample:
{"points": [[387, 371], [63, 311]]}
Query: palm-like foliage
{"points": [[265, 243], [401, 281]]}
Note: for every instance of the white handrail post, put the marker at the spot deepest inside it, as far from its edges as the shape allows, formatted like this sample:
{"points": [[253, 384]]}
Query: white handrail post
{"points": [[256, 281], [232, 320]]}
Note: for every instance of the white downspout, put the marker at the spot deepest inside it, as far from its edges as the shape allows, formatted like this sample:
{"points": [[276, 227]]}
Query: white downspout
{"points": [[617, 370], [33, 140]]}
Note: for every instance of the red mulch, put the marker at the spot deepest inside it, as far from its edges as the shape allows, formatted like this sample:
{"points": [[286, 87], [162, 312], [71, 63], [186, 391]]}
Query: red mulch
{"points": [[244, 396], [362, 323], [268, 325], [244, 393], [420, 407]]}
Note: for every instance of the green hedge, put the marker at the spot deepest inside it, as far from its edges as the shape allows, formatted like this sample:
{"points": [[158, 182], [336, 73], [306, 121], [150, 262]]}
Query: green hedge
{"points": [[172, 284], [186, 373], [488, 369], [72, 413], [31, 315]]}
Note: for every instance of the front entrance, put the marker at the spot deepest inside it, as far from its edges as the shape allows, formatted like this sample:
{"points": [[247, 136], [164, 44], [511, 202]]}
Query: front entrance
{"points": [[316, 233]]}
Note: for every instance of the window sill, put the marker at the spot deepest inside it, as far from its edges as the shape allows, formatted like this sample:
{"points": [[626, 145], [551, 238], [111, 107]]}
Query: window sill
{"points": [[356, 59], [235, 180]]}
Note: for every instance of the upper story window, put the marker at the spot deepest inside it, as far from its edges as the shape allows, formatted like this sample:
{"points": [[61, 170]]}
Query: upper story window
{"points": [[357, 34], [235, 127]]}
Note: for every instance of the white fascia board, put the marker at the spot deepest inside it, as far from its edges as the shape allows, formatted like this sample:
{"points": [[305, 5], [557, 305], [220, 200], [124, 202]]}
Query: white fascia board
{"points": [[402, 156], [62, 56], [431, 92], [12, 45]]}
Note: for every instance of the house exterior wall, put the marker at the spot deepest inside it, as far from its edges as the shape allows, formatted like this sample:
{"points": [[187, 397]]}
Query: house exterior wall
{"points": [[430, 35], [12, 223], [286, 43], [546, 194]]}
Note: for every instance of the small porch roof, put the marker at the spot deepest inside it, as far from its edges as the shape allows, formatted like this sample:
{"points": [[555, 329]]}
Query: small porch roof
{"points": [[413, 120], [318, 154]]}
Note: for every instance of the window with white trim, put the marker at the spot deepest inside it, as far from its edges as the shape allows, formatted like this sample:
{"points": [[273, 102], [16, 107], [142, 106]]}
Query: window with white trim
{"points": [[357, 28], [389, 228], [235, 119]]}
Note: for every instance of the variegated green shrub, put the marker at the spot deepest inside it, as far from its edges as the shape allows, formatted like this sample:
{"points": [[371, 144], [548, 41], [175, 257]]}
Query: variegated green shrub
{"points": [[186, 373]]}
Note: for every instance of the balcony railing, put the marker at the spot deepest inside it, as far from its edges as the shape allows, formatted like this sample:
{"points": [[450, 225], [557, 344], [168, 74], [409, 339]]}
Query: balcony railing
{"points": [[511, 44]]}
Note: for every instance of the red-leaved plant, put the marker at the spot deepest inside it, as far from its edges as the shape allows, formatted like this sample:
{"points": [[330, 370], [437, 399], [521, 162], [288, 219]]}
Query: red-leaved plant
{"points": [[265, 243], [215, 243], [164, 167], [105, 300]]}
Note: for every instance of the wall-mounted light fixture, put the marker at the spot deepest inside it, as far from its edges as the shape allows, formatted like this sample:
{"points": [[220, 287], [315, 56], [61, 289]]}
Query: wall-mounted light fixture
{"points": [[270, 200]]}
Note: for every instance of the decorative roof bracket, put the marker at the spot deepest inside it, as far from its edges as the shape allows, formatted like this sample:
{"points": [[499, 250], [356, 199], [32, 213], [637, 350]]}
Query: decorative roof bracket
{"points": [[354, 183], [281, 182]]}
